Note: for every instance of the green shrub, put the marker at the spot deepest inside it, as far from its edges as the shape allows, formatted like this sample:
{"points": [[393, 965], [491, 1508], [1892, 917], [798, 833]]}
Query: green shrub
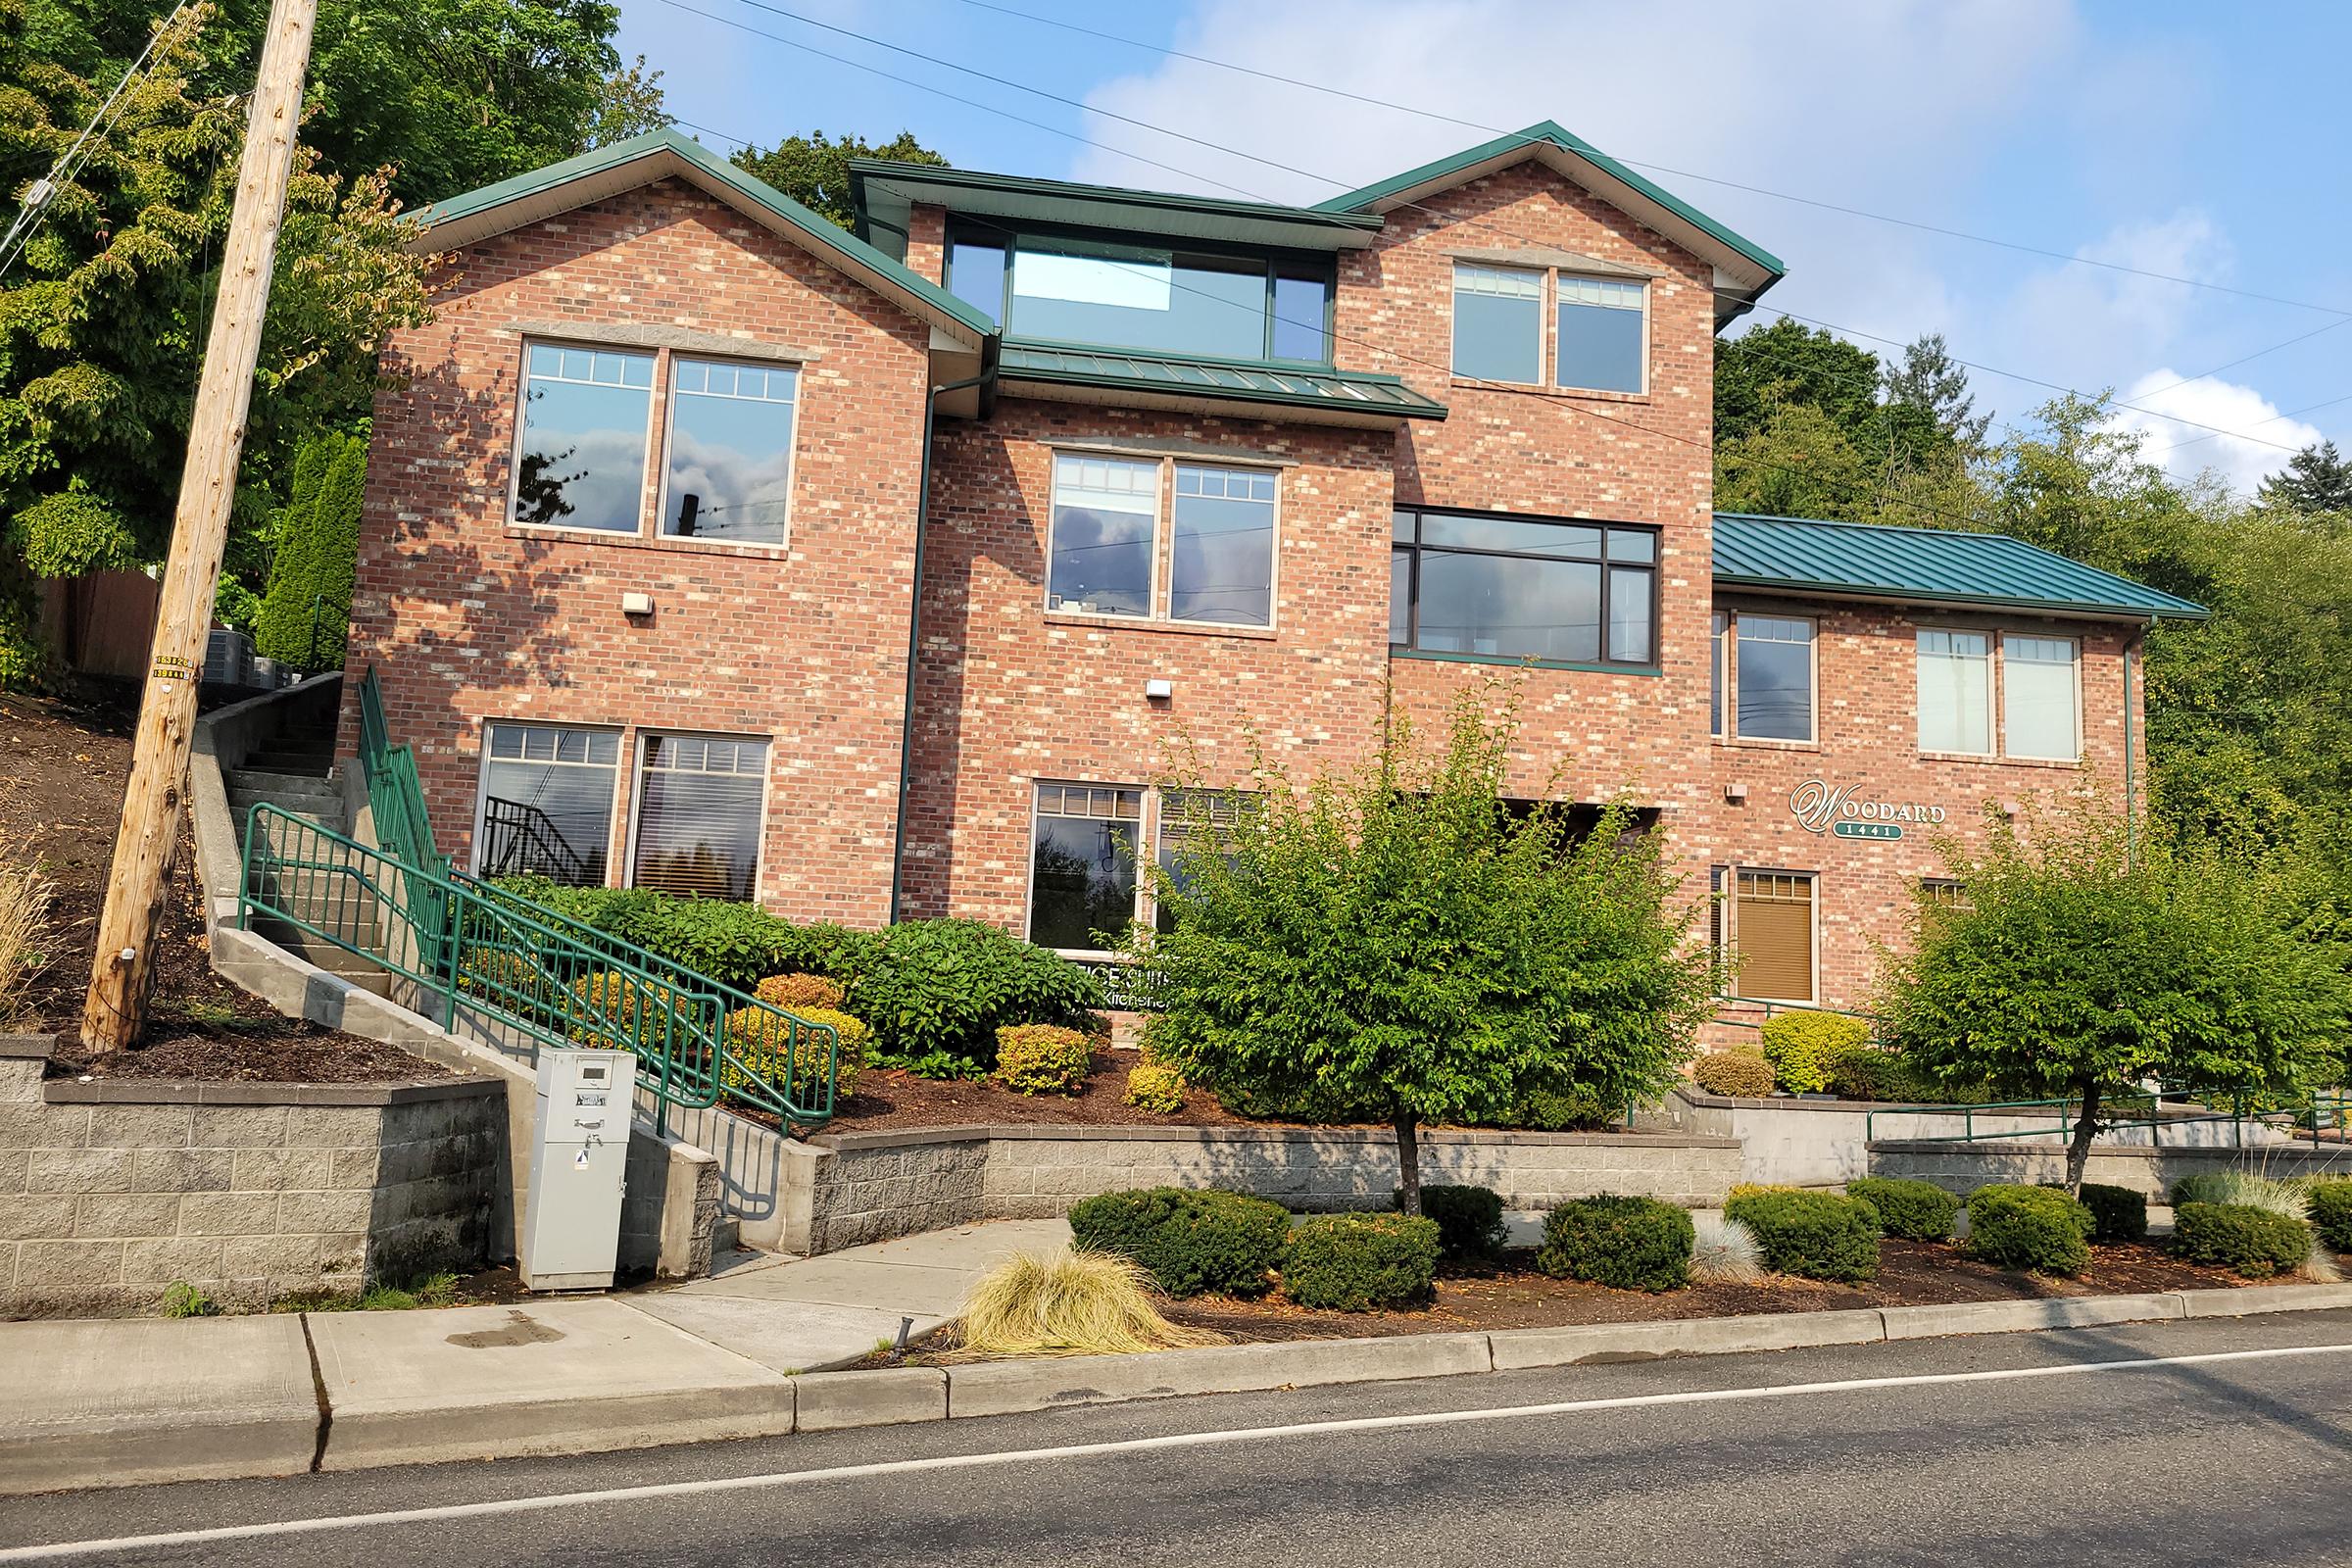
{"points": [[183, 1300], [768, 1044], [2035, 1228], [1916, 1212], [1811, 1234], [2255, 1242], [1801, 1046], [2331, 1213], [1469, 1219], [1043, 1058], [950, 985], [1633, 1244], [1356, 1262], [1153, 1087], [2116, 1213], [1192, 1241], [737, 945], [1866, 1071], [793, 992], [1550, 1110], [1736, 1074]]}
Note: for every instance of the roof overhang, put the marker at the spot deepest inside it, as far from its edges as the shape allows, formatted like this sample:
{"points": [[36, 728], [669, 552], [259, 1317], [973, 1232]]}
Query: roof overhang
{"points": [[884, 193], [1225, 391], [1792, 588]]}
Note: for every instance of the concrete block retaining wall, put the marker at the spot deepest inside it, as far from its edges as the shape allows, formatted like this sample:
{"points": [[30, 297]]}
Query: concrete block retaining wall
{"points": [[115, 1188], [1961, 1169]]}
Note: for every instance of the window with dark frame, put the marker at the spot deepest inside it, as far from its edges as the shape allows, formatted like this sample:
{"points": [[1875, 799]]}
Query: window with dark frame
{"points": [[1484, 585]]}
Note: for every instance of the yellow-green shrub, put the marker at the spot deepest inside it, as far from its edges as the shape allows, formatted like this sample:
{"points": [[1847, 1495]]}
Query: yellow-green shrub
{"points": [[765, 1042], [1735, 1074], [628, 1006], [796, 992], [1804, 1047], [1043, 1058], [1153, 1087]]}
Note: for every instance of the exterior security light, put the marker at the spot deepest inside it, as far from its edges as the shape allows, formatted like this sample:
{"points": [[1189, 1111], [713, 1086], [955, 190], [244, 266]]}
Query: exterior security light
{"points": [[1735, 793], [636, 604], [1159, 691]]}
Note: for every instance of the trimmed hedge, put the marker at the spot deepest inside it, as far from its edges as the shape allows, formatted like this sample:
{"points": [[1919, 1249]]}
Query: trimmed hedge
{"points": [[1801, 1046], [1152, 1085], [2255, 1242], [1356, 1262], [2116, 1213], [1813, 1235], [1191, 1241], [2331, 1213], [1469, 1219], [793, 992], [1043, 1058], [765, 1042], [1633, 1244], [1735, 1074], [2035, 1228], [1916, 1212]]}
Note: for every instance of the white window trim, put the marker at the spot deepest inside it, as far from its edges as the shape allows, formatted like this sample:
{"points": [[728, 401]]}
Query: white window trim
{"points": [[481, 778], [624, 875], [1552, 326], [1993, 716], [1731, 675], [2002, 644], [654, 408], [666, 371], [1161, 611], [1147, 843], [1544, 313]]}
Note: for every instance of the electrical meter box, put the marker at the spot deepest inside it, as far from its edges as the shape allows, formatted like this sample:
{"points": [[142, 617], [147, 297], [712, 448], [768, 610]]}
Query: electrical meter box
{"points": [[580, 1155]]}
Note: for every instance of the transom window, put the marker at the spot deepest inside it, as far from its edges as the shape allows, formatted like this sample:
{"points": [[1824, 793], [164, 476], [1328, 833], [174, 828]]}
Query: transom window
{"points": [[1481, 585], [1061, 288], [1771, 676], [1602, 334], [1600, 340], [1765, 918], [2040, 705], [1111, 546], [1082, 879], [1497, 323], [587, 426]]}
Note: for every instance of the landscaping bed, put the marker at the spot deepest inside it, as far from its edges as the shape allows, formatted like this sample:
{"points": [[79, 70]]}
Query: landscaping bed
{"points": [[890, 1099]]}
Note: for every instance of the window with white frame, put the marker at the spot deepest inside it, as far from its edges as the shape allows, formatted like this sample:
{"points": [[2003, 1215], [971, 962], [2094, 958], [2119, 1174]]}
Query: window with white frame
{"points": [[581, 462], [1772, 932], [1955, 691], [546, 802], [1497, 323], [1603, 336], [729, 473], [1772, 658], [2040, 703], [1082, 878], [1187, 817], [1206, 556], [698, 811]]}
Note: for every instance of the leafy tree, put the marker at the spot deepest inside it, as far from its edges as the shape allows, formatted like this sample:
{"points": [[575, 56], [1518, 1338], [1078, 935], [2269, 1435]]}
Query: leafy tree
{"points": [[102, 317], [2315, 480], [1785, 361], [306, 615], [1930, 379], [630, 103], [2081, 965], [1791, 385], [1399, 943], [815, 169]]}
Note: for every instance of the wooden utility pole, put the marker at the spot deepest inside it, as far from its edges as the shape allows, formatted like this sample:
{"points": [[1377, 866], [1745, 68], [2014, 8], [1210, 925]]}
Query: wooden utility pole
{"points": [[140, 882]]}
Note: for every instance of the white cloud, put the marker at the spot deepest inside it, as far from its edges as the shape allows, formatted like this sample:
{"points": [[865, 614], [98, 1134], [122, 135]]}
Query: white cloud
{"points": [[2241, 458], [2089, 326]]}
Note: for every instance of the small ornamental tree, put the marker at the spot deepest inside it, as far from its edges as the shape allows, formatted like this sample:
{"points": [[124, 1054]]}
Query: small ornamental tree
{"points": [[2080, 966], [1403, 944]]}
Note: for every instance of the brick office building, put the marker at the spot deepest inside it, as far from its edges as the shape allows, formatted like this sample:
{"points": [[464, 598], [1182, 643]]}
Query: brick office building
{"points": [[712, 548]]}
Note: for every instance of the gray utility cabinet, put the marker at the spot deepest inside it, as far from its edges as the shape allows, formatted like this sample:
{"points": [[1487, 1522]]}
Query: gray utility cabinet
{"points": [[579, 1157]]}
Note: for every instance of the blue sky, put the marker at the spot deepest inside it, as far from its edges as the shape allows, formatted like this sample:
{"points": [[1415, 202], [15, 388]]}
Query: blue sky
{"points": [[2200, 141]]}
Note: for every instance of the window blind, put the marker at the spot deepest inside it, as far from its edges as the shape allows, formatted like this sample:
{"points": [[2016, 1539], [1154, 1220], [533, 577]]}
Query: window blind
{"points": [[1775, 936]]}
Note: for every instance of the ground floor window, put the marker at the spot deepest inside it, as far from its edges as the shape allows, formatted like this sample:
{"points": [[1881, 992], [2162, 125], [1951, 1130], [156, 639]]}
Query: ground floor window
{"points": [[1766, 917], [547, 803], [698, 811], [1081, 877]]}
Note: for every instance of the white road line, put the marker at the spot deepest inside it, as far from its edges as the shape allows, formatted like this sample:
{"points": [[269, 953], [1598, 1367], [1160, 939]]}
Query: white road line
{"points": [[1081, 1450]]}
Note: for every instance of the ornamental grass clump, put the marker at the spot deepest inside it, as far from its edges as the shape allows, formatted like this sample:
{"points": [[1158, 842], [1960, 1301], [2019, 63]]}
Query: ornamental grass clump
{"points": [[1742, 1074], [1915, 1212], [1632, 1244], [1360, 1263], [1470, 1227], [1191, 1242], [1043, 1058], [1070, 1303], [2038, 1229], [1723, 1252], [2258, 1243], [1814, 1235]]}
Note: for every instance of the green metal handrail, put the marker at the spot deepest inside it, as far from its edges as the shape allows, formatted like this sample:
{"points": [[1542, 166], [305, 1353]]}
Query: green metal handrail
{"points": [[395, 794], [539, 970], [2153, 1120]]}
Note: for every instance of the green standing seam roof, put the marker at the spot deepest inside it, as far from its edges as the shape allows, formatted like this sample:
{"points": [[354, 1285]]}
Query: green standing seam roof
{"points": [[1341, 226], [825, 232], [1354, 390], [1547, 130], [1928, 565]]}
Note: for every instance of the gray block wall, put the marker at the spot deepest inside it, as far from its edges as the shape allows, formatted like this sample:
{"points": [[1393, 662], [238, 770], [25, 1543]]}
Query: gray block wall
{"points": [[112, 1189], [1962, 1169]]}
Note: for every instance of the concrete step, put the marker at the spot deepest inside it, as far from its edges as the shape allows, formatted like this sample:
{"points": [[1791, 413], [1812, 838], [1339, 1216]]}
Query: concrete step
{"points": [[270, 783], [309, 807]]}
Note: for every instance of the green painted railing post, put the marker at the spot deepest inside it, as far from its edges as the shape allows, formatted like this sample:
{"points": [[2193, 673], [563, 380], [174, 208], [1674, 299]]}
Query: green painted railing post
{"points": [[449, 961]]}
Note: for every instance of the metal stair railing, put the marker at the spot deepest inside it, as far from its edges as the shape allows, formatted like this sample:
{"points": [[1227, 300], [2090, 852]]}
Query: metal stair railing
{"points": [[541, 971]]}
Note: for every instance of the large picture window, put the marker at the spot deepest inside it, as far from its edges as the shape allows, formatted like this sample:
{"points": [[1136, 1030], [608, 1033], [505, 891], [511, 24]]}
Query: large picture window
{"points": [[1955, 691], [546, 802], [2039, 703], [1110, 535], [1082, 864], [698, 809], [580, 463], [1105, 516], [1773, 657], [1497, 323], [1602, 340], [730, 451], [1487, 586]]}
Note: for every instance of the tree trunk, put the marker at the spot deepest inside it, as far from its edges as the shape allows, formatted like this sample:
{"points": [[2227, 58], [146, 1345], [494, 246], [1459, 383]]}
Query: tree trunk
{"points": [[1408, 1161], [2077, 1152]]}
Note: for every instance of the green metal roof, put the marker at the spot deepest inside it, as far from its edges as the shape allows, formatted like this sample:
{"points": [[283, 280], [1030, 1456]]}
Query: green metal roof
{"points": [[625, 164], [1355, 396], [1765, 267], [1926, 565], [883, 189]]}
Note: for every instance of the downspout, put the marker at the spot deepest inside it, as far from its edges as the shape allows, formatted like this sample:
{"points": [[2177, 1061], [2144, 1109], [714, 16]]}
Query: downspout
{"points": [[2131, 790], [914, 626]]}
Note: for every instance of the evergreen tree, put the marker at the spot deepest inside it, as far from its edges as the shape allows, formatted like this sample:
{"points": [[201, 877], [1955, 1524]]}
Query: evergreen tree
{"points": [[304, 616], [2317, 479], [1932, 380]]}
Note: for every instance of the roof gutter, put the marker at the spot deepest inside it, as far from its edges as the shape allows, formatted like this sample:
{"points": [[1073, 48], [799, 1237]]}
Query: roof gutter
{"points": [[985, 381]]}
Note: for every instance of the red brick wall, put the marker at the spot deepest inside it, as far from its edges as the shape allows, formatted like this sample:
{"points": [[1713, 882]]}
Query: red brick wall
{"points": [[467, 618], [926, 240]]}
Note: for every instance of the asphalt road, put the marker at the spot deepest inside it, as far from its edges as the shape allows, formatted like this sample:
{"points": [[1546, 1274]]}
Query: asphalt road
{"points": [[2231, 1442]]}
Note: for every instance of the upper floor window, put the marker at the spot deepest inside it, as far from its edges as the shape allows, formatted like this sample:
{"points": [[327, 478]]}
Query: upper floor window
{"points": [[1955, 691], [1497, 323], [1602, 340], [730, 451], [2040, 700], [581, 460], [1772, 673], [1109, 540], [1161, 300], [1501, 587], [1599, 328]]}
